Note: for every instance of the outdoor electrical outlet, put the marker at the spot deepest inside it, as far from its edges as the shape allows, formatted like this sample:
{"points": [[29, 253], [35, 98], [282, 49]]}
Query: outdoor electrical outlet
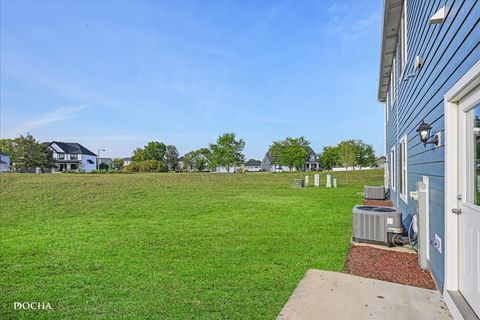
{"points": [[439, 137], [437, 243]]}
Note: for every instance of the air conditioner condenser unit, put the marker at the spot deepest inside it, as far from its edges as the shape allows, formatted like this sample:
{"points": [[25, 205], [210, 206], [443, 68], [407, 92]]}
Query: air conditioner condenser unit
{"points": [[376, 224], [374, 192]]}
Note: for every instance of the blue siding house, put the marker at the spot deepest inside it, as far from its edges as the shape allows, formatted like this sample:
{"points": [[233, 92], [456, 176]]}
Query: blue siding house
{"points": [[430, 77]]}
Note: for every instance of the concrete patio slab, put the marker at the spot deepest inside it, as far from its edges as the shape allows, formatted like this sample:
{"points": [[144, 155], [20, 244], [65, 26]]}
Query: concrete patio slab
{"points": [[332, 295]]}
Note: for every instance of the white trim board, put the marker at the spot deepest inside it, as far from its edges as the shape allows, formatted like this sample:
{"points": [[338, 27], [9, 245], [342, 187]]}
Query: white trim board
{"points": [[403, 178], [426, 180], [458, 91], [393, 168]]}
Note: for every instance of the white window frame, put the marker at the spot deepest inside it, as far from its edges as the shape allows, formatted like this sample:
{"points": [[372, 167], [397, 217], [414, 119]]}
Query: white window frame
{"points": [[393, 168], [403, 40], [387, 111], [403, 166], [393, 83]]}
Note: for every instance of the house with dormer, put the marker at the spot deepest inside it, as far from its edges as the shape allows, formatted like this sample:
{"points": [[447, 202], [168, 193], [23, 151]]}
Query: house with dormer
{"points": [[72, 157]]}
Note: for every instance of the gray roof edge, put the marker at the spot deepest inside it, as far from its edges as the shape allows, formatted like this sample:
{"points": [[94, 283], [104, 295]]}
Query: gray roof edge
{"points": [[81, 148], [387, 16]]}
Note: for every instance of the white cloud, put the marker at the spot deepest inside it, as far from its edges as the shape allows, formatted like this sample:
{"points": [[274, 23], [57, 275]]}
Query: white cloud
{"points": [[59, 114]]}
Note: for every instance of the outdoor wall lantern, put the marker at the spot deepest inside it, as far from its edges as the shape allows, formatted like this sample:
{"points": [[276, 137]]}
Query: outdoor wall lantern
{"points": [[424, 133]]}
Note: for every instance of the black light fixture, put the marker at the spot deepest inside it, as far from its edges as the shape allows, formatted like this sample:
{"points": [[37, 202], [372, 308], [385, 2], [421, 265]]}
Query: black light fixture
{"points": [[424, 130]]}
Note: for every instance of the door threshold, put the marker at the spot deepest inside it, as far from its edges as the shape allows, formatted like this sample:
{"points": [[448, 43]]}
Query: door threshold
{"points": [[461, 305]]}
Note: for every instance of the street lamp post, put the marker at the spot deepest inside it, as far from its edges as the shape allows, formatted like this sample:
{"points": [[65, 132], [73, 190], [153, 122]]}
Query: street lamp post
{"points": [[98, 156]]}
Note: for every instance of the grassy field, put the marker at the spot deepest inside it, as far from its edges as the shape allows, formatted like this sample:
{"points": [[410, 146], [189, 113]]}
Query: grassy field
{"points": [[167, 246]]}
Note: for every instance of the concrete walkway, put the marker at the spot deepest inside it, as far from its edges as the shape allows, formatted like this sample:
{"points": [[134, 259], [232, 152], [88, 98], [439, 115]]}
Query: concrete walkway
{"points": [[333, 295]]}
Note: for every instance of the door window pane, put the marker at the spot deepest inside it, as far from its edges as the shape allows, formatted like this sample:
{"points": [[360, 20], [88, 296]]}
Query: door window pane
{"points": [[476, 154]]}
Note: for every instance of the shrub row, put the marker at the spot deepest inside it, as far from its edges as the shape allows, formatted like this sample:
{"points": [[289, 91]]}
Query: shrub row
{"points": [[147, 166]]}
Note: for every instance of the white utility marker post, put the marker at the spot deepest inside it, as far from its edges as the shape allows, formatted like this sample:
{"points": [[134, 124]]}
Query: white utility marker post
{"points": [[335, 183], [307, 181], [316, 180], [329, 181]]}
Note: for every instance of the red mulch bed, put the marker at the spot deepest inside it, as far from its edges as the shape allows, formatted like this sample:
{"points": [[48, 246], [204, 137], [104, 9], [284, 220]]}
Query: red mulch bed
{"points": [[387, 265]]}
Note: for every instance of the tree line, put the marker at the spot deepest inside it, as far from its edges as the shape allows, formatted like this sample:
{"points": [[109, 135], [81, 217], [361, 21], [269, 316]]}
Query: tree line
{"points": [[227, 152], [348, 153]]}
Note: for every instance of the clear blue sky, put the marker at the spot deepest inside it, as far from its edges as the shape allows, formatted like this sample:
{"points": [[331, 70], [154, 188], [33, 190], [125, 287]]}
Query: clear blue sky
{"points": [[117, 74]]}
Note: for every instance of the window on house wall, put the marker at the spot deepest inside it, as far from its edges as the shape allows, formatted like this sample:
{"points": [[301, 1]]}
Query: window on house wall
{"points": [[392, 169], [386, 167], [74, 157], [403, 39], [387, 108], [393, 83], [61, 156], [403, 168]]}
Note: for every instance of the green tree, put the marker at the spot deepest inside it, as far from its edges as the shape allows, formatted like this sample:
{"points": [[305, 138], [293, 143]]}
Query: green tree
{"points": [[8, 146], [138, 155], [171, 157], [200, 163], [117, 164], [365, 154], [329, 157], [347, 151], [155, 150], [26, 152], [103, 166], [291, 152], [227, 152]]}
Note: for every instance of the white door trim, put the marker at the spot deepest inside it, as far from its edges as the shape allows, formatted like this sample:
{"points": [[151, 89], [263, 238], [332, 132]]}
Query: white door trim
{"points": [[426, 180], [469, 81]]}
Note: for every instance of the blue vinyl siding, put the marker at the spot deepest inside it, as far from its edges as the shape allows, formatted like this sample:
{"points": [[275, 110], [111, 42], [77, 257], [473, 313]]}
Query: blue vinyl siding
{"points": [[448, 50]]}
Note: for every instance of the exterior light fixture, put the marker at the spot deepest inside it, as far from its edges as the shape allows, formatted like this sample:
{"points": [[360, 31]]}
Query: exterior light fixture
{"points": [[439, 16], [424, 130]]}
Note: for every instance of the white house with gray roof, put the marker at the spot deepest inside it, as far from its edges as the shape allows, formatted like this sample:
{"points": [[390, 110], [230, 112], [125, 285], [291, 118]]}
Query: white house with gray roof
{"points": [[72, 157], [253, 165], [4, 162]]}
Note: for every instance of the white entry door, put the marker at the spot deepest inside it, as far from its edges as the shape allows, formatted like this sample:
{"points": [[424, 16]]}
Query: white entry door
{"points": [[469, 217]]}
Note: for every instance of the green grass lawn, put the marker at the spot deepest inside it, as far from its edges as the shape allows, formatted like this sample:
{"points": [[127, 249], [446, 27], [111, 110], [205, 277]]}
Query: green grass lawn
{"points": [[168, 246]]}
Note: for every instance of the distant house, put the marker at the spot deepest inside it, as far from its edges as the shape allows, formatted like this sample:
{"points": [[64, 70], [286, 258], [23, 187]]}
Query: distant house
{"points": [[127, 161], [253, 165], [106, 161], [197, 161], [4, 162], [312, 162], [268, 163], [232, 169], [180, 163], [71, 156]]}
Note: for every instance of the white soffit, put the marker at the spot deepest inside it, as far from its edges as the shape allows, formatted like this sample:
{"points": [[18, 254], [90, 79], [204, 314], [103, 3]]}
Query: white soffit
{"points": [[392, 13]]}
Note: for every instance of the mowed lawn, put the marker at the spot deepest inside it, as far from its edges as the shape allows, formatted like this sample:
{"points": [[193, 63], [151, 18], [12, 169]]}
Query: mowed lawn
{"points": [[168, 246]]}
